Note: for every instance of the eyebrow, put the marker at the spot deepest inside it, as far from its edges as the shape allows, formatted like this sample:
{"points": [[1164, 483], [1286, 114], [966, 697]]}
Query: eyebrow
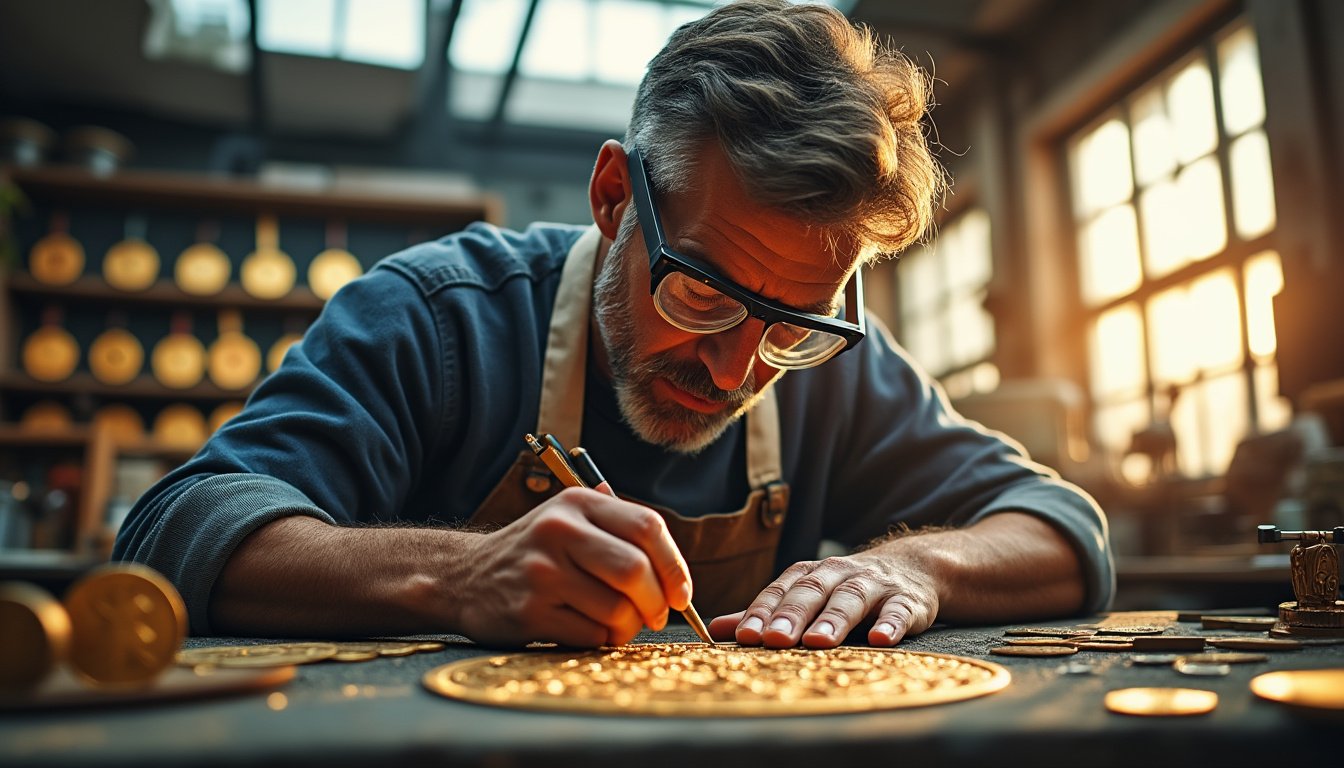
{"points": [[819, 308]]}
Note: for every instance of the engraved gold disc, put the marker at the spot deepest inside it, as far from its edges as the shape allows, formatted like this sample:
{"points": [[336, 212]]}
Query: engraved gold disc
{"points": [[178, 361], [276, 355], [202, 270], [180, 425], [36, 636], [46, 416], [698, 680], [268, 273], [127, 623], [121, 421], [257, 656], [57, 259], [331, 270], [115, 357], [50, 354], [131, 265]]}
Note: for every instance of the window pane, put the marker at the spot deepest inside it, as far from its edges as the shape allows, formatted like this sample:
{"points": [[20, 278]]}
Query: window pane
{"points": [[917, 276], [1190, 105], [1252, 186], [1225, 420], [1163, 229], [387, 32], [1275, 412], [1242, 91], [1154, 145], [972, 329], [1173, 339], [1116, 349], [1204, 230], [298, 26], [1115, 424], [1101, 164], [631, 33], [1264, 279], [559, 49], [927, 344], [1185, 423], [1110, 256], [486, 35], [986, 377], [1215, 313], [970, 265]]}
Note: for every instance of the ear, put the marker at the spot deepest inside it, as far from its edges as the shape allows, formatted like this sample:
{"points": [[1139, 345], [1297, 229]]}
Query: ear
{"points": [[609, 189]]}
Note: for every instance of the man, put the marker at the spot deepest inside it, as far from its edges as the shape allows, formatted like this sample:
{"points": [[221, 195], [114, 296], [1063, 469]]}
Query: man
{"points": [[378, 482]]}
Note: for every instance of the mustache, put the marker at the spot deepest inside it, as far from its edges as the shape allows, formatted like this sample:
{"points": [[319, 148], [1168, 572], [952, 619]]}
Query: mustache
{"points": [[691, 377]]}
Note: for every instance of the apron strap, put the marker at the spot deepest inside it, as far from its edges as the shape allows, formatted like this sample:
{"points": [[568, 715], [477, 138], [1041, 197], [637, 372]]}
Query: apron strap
{"points": [[561, 408]]}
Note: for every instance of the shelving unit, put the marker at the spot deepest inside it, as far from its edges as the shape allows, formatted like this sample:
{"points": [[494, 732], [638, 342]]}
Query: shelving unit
{"points": [[174, 205]]}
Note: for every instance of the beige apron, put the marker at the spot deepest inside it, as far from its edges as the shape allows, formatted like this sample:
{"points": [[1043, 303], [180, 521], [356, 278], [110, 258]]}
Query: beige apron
{"points": [[732, 555]]}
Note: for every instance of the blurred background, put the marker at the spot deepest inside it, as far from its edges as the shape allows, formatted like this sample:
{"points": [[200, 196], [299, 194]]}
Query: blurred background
{"points": [[1135, 276]]}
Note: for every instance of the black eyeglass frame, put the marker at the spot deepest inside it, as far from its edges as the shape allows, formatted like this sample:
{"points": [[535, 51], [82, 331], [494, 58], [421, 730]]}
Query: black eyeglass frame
{"points": [[664, 261]]}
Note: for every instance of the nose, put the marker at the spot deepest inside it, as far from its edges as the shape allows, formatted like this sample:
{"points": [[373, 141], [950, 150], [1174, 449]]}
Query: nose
{"points": [[730, 355]]}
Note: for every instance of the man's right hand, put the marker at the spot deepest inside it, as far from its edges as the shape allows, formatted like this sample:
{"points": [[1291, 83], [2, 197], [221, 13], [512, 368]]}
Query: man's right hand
{"points": [[583, 569]]}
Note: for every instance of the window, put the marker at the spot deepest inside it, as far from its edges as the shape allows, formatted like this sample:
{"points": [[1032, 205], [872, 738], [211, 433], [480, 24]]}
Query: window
{"points": [[1174, 216], [942, 290]]}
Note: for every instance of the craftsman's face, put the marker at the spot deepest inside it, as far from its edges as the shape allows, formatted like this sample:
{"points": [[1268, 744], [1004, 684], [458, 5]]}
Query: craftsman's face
{"points": [[680, 389]]}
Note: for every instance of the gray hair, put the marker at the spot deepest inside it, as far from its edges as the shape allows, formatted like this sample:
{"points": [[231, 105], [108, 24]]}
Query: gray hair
{"points": [[817, 118]]}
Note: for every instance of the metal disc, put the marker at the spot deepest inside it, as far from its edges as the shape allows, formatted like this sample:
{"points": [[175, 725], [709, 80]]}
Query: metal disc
{"points": [[1161, 702], [1317, 689]]}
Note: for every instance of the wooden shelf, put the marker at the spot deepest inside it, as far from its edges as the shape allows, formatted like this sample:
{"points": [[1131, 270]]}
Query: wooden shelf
{"points": [[164, 292], [15, 436], [142, 386], [226, 194]]}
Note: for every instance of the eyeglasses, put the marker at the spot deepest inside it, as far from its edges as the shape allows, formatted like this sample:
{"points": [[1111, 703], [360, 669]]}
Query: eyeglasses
{"points": [[694, 297]]}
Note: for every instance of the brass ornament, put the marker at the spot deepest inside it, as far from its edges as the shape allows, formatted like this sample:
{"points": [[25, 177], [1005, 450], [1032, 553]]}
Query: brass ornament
{"points": [[127, 623], [46, 416], [234, 359], [1161, 702], [56, 259], [276, 355], [202, 270], [116, 357], [178, 361], [331, 270], [268, 273], [50, 354], [36, 637], [180, 426], [131, 265], [699, 680]]}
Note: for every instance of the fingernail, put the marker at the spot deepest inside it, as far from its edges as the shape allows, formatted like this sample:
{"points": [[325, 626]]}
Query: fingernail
{"points": [[782, 625], [824, 628], [752, 624], [885, 628]]}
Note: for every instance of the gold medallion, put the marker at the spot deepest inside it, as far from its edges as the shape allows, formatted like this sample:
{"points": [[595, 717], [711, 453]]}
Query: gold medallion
{"points": [[221, 415], [50, 354], [180, 426], [115, 357], [127, 623], [698, 680], [56, 259], [234, 359], [276, 355], [36, 637], [331, 270], [1312, 689], [202, 270], [121, 421], [131, 265], [47, 416], [255, 656], [178, 361], [1161, 702], [268, 273]]}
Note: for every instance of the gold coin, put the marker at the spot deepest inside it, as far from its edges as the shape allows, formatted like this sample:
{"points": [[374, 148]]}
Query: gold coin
{"points": [[1201, 669], [1047, 641], [355, 656], [699, 680], [46, 416], [268, 273], [57, 259], [202, 270], [1130, 631], [1247, 623], [1225, 658], [331, 270], [235, 361], [180, 425], [277, 354], [122, 421], [1033, 650], [380, 647], [429, 646], [1311, 688], [1254, 644], [36, 636], [1093, 646], [50, 354], [221, 415], [127, 622], [178, 361], [254, 656], [1047, 632], [1168, 643], [131, 265], [1164, 702], [115, 357], [1153, 659]]}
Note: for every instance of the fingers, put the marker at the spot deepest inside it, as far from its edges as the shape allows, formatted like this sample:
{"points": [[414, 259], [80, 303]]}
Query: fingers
{"points": [[900, 616], [723, 627], [605, 606], [645, 529], [759, 615]]}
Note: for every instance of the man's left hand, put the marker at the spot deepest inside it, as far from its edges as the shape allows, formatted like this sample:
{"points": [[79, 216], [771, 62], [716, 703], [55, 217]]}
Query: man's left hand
{"points": [[820, 602]]}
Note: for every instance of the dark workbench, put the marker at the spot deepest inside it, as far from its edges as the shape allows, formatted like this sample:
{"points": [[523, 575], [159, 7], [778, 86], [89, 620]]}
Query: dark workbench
{"points": [[387, 718]]}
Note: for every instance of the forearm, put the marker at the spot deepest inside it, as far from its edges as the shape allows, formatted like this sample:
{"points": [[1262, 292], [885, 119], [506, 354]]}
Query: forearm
{"points": [[1010, 566], [299, 576]]}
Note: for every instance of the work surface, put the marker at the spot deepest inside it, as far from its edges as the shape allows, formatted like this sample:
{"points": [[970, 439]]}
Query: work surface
{"points": [[378, 712]]}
